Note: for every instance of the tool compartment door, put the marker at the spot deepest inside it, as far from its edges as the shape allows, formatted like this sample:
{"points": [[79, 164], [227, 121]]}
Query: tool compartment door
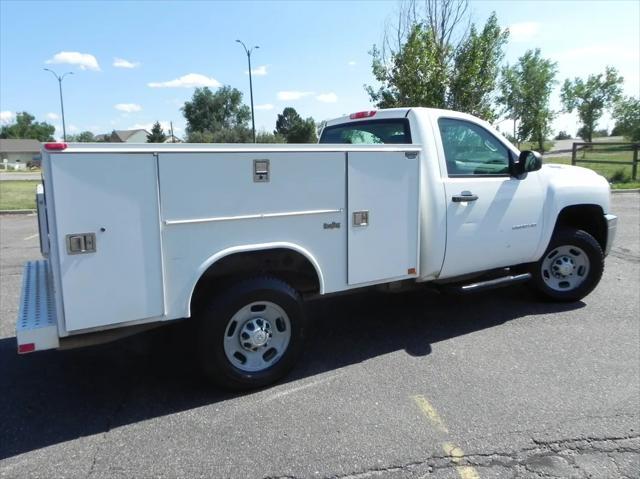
{"points": [[115, 198], [383, 210]]}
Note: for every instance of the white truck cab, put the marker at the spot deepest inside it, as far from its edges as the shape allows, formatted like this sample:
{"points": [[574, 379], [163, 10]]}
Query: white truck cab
{"points": [[235, 236]]}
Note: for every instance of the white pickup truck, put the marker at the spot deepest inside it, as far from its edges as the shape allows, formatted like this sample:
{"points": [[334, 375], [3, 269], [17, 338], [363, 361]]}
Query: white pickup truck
{"points": [[235, 236]]}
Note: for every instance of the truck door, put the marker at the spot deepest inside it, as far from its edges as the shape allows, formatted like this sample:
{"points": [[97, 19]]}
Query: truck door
{"points": [[493, 219], [108, 236], [382, 216]]}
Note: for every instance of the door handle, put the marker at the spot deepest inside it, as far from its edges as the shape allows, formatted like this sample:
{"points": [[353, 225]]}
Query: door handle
{"points": [[464, 197]]}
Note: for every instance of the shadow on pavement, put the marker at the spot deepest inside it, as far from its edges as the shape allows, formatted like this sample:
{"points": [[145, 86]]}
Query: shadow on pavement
{"points": [[56, 396]]}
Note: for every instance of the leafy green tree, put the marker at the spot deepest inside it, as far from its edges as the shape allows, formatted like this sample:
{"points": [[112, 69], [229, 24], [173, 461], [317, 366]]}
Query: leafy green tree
{"points": [[510, 98], [627, 115], [294, 128], [157, 134], [82, 137], [525, 91], [218, 117], [24, 127], [414, 76], [592, 97], [476, 65], [429, 69]]}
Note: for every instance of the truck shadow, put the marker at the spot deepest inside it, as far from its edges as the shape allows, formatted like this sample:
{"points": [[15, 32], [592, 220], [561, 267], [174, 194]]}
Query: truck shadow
{"points": [[56, 396]]}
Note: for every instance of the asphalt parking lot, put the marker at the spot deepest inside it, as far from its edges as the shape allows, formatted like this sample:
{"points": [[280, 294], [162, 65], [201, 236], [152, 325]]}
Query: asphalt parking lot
{"points": [[390, 385]]}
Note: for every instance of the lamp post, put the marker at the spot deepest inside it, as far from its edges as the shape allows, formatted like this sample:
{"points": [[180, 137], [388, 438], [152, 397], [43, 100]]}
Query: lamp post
{"points": [[248, 52], [60, 78]]}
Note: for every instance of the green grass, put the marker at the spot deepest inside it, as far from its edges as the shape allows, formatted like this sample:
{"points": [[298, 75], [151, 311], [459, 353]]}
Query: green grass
{"points": [[18, 195], [618, 175]]}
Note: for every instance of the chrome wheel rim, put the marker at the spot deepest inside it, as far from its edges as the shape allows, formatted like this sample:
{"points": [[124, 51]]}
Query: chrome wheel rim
{"points": [[257, 336], [565, 268]]}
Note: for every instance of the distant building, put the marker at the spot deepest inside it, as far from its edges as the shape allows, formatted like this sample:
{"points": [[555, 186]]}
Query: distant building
{"points": [[124, 136], [172, 139], [19, 154]]}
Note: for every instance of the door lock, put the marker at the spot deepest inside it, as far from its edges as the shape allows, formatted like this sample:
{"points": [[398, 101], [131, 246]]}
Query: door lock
{"points": [[81, 243], [361, 218]]}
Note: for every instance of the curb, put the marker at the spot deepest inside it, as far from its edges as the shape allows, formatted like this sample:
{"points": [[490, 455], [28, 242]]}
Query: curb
{"points": [[17, 212], [630, 190]]}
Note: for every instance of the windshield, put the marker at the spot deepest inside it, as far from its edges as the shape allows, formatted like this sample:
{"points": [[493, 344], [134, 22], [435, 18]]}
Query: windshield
{"points": [[370, 132]]}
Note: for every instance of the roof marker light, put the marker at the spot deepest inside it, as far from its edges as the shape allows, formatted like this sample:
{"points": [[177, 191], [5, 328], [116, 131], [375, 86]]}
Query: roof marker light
{"points": [[362, 114], [55, 146]]}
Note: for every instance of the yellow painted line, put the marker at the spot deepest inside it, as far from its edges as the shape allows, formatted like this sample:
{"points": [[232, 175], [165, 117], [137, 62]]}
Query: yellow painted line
{"points": [[456, 454], [430, 412]]}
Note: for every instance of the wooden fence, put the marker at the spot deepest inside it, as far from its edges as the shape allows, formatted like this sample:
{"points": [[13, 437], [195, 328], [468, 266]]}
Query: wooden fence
{"points": [[632, 146]]}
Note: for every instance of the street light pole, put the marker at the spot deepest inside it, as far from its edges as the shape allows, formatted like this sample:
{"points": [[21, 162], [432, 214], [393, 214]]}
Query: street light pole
{"points": [[248, 52], [60, 78]]}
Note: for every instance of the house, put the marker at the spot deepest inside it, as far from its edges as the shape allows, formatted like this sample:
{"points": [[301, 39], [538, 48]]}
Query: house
{"points": [[172, 139], [124, 136], [19, 154]]}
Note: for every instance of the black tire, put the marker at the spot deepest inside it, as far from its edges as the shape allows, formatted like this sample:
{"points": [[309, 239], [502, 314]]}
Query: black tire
{"points": [[564, 239], [214, 328]]}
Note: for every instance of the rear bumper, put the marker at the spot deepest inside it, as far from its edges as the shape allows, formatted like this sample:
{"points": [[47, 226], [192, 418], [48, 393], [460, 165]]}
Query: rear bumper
{"points": [[612, 225], [37, 325]]}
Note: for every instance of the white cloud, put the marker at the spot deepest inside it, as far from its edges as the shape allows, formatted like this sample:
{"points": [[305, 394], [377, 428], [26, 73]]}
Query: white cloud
{"points": [[190, 80], [122, 63], [266, 106], [293, 95], [599, 52], [327, 97], [53, 116], [127, 107], [74, 129], [259, 71], [85, 61], [352, 63], [7, 117], [523, 31]]}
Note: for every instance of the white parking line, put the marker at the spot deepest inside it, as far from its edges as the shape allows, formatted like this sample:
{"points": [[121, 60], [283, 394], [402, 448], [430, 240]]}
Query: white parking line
{"points": [[31, 237]]}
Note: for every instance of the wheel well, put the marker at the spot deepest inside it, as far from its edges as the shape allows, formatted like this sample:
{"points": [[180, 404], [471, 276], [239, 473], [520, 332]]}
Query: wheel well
{"points": [[589, 218], [286, 264]]}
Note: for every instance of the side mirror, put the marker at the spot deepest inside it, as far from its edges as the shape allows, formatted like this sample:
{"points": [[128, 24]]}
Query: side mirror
{"points": [[527, 161]]}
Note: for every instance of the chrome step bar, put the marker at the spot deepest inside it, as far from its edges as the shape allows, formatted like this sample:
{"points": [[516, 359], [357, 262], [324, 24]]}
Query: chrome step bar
{"points": [[494, 283]]}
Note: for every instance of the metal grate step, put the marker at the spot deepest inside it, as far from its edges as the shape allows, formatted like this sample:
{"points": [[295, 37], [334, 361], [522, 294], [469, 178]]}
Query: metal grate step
{"points": [[37, 326]]}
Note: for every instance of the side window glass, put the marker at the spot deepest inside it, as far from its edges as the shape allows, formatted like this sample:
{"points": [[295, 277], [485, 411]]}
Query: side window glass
{"points": [[469, 149]]}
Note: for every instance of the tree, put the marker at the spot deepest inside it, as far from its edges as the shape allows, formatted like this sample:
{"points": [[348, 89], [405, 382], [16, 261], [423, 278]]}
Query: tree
{"points": [[157, 134], [24, 127], [82, 137], [430, 67], [476, 66], [627, 115], [510, 97], [591, 97], [218, 117], [537, 78], [294, 128]]}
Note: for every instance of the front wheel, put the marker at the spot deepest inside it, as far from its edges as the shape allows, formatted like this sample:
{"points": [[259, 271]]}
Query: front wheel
{"points": [[251, 335], [570, 268]]}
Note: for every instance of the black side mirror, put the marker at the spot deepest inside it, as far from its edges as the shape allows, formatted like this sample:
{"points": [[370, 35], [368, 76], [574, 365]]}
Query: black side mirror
{"points": [[527, 161]]}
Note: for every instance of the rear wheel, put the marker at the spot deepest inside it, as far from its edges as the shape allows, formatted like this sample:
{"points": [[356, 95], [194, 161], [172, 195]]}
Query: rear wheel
{"points": [[570, 268], [251, 335]]}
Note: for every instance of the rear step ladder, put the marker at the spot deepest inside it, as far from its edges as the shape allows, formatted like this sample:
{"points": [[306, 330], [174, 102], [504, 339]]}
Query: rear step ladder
{"points": [[37, 326]]}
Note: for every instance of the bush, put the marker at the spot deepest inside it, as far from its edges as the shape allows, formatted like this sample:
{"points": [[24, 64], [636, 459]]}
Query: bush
{"points": [[562, 135], [619, 176]]}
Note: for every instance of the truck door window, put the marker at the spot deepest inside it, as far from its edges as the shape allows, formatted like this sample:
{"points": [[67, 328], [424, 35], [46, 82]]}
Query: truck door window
{"points": [[370, 132], [469, 149]]}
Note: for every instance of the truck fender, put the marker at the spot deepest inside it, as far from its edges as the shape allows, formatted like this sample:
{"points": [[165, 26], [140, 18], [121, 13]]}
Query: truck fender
{"points": [[246, 249]]}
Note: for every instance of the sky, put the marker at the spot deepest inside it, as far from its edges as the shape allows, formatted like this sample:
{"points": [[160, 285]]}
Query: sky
{"points": [[137, 62]]}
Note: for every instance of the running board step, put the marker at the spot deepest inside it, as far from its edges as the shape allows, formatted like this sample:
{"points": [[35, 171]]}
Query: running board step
{"points": [[494, 283]]}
